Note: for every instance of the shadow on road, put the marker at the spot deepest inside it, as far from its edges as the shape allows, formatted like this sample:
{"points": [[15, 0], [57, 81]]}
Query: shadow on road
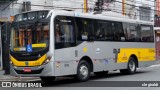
{"points": [[71, 82]]}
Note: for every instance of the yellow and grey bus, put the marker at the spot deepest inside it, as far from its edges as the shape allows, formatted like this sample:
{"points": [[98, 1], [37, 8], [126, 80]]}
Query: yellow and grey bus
{"points": [[49, 44]]}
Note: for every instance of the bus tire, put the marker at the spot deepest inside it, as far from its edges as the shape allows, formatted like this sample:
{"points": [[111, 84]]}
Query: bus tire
{"points": [[102, 73], [131, 67], [49, 79], [83, 71]]}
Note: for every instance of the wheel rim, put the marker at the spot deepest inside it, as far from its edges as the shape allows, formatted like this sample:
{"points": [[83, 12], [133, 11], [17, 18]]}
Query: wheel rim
{"points": [[132, 65], [83, 71]]}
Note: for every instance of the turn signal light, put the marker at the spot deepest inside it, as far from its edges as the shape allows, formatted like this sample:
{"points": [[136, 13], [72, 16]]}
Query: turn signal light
{"points": [[47, 60]]}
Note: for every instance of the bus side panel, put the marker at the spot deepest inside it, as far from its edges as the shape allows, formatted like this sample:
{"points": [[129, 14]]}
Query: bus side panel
{"points": [[142, 54], [145, 54], [102, 55], [65, 61]]}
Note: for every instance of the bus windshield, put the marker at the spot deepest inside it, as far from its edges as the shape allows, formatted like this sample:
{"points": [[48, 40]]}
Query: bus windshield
{"points": [[29, 36]]}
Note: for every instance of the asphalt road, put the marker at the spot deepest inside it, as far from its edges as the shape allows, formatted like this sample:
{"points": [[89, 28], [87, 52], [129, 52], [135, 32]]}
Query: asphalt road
{"points": [[113, 81]]}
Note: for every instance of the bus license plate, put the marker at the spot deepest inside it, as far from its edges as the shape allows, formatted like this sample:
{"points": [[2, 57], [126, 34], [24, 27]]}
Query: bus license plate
{"points": [[27, 70]]}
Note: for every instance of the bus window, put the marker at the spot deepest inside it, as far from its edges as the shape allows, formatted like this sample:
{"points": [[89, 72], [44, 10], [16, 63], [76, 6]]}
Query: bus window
{"points": [[21, 37], [100, 28], [42, 31], [115, 31], [57, 33], [119, 32], [146, 34], [36, 35], [29, 34], [85, 29], [64, 32], [132, 33]]}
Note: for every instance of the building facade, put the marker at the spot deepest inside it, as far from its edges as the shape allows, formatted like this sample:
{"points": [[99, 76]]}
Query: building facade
{"points": [[157, 13], [9, 9], [135, 9]]}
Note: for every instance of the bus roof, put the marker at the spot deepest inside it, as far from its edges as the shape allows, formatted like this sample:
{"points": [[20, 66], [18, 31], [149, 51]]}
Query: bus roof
{"points": [[36, 11], [98, 16], [94, 16]]}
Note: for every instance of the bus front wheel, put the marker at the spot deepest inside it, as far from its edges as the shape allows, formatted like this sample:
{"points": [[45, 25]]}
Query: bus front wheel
{"points": [[48, 79], [83, 71], [131, 67]]}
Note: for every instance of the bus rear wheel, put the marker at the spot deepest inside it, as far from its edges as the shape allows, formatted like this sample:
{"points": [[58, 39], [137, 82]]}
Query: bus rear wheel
{"points": [[83, 71], [48, 79], [131, 67]]}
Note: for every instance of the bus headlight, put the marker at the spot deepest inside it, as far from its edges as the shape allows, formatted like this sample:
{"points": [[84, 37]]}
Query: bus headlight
{"points": [[47, 60], [11, 62]]}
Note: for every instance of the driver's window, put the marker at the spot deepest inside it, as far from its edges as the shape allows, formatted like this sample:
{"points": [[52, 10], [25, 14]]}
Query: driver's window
{"points": [[64, 30]]}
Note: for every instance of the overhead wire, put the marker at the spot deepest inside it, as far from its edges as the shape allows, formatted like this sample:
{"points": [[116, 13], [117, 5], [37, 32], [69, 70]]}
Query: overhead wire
{"points": [[93, 3]]}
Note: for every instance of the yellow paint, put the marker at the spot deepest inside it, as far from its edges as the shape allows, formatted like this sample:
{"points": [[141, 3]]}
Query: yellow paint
{"points": [[33, 46], [30, 63], [12, 18], [16, 49], [38, 45], [123, 7], [85, 6], [3, 19], [143, 54], [85, 49]]}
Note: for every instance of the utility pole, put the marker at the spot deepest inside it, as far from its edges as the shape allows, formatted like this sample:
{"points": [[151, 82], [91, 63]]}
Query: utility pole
{"points": [[123, 7], [85, 6]]}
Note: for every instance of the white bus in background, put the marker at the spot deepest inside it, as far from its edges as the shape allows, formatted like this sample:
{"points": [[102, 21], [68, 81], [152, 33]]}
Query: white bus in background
{"points": [[55, 43]]}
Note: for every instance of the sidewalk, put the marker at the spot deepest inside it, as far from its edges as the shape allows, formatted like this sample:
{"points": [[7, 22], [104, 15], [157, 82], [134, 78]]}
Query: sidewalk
{"points": [[13, 78], [1, 72]]}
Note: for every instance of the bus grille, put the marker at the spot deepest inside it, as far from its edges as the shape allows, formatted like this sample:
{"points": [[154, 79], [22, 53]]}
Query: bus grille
{"points": [[32, 72]]}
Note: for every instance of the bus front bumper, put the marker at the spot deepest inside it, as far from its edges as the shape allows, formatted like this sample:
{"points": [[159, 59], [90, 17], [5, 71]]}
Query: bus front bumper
{"points": [[37, 71]]}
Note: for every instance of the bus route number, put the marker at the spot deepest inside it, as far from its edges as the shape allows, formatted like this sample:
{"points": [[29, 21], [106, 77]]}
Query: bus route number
{"points": [[36, 63]]}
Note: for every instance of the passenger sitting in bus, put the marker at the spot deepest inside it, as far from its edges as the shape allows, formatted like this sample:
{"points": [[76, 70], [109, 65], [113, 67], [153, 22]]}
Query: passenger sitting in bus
{"points": [[46, 33], [99, 34], [58, 35]]}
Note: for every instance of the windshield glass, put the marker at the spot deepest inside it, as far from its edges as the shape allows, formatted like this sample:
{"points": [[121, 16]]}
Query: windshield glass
{"points": [[29, 37]]}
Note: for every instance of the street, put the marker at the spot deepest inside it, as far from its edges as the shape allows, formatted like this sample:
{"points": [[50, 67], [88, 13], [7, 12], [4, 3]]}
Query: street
{"points": [[111, 81]]}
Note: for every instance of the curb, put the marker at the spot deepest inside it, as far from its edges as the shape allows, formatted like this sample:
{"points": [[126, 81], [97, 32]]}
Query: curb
{"points": [[1, 72], [15, 78]]}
